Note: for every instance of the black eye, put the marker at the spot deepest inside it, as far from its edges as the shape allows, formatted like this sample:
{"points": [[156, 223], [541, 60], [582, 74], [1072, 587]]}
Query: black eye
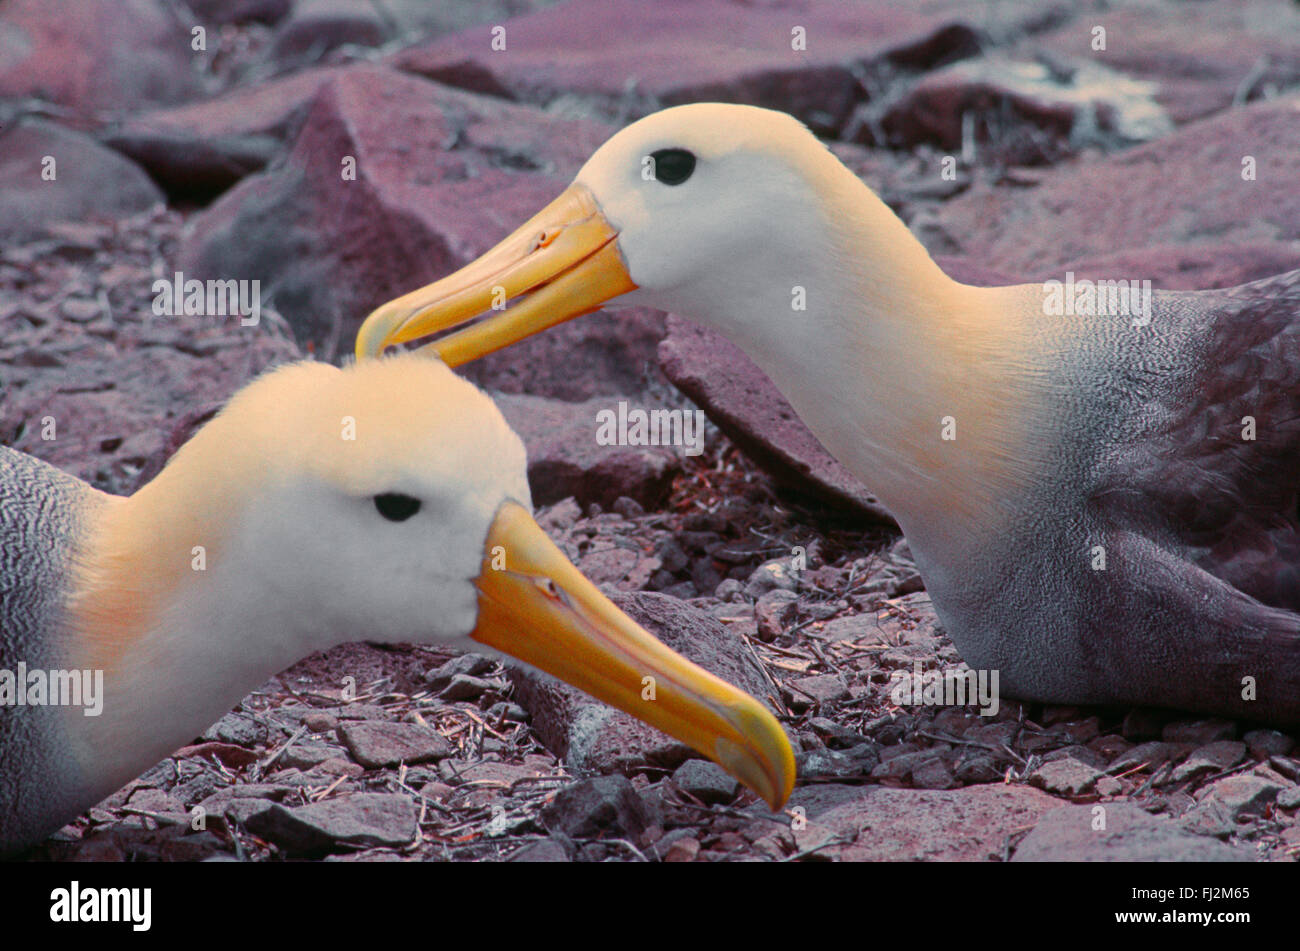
{"points": [[396, 507], [673, 166]]}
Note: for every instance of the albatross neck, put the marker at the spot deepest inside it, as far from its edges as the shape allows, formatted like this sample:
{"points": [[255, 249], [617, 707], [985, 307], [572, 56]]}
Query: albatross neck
{"points": [[164, 607], [928, 390]]}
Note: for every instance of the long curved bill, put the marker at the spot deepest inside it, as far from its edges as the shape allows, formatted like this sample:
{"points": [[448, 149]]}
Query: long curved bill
{"points": [[535, 606], [563, 262]]}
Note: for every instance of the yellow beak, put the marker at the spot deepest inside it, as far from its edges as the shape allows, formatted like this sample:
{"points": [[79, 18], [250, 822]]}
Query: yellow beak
{"points": [[564, 262], [535, 606]]}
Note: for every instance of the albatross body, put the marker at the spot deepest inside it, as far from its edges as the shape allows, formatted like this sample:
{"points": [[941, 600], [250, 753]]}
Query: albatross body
{"points": [[1103, 506], [385, 501]]}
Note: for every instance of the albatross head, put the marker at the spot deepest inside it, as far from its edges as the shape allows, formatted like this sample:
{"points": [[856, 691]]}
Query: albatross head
{"points": [[389, 501], [689, 188], [710, 210]]}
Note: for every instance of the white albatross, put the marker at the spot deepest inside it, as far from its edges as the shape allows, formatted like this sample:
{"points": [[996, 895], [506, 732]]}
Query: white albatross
{"points": [[1089, 505], [386, 501]]}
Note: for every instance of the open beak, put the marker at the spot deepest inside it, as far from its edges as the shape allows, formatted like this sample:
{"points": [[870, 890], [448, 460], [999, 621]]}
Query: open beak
{"points": [[535, 606], [563, 262]]}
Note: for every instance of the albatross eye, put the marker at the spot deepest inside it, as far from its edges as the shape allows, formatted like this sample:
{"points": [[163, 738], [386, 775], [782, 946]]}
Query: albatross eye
{"points": [[396, 507], [673, 166]]}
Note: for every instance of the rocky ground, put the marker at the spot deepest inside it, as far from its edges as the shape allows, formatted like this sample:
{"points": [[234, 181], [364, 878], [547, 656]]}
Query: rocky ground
{"points": [[761, 558]]}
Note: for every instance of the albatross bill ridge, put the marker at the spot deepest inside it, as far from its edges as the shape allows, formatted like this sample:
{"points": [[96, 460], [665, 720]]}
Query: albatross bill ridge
{"points": [[386, 500], [1076, 489]]}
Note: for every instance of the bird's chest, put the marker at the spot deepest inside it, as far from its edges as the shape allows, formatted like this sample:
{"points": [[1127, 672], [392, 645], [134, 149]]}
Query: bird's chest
{"points": [[1021, 602]]}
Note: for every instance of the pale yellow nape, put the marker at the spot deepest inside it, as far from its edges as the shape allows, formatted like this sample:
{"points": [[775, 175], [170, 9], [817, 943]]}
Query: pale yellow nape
{"points": [[359, 428], [919, 352]]}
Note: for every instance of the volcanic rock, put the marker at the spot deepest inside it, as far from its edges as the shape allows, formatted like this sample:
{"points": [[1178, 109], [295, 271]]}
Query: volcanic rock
{"points": [[1117, 832], [95, 56], [877, 823], [49, 173], [564, 458], [1198, 197], [440, 176], [804, 60]]}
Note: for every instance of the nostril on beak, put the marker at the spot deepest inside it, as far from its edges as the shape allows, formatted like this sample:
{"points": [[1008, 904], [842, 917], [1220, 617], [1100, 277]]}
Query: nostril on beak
{"points": [[544, 238]]}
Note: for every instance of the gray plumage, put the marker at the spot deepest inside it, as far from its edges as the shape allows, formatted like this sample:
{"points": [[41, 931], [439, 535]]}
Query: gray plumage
{"points": [[1200, 592], [42, 511]]}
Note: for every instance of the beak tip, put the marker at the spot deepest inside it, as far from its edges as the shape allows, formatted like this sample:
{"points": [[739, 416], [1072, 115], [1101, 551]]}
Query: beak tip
{"points": [[763, 759], [373, 336], [587, 641]]}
